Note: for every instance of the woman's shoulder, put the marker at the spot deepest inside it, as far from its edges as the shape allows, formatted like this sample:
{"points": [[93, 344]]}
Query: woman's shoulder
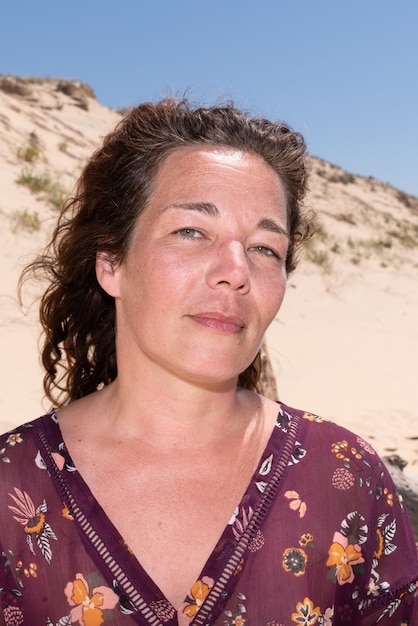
{"points": [[18, 445], [335, 455], [50, 416], [322, 431]]}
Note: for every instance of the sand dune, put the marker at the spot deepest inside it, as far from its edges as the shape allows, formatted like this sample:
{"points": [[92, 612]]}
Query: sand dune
{"points": [[344, 344]]}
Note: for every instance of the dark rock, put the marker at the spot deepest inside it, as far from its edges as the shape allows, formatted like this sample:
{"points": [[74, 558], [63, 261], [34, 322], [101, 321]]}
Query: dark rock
{"points": [[407, 486]]}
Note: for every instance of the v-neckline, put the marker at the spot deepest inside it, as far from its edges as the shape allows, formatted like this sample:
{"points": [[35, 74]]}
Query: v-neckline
{"points": [[104, 542]]}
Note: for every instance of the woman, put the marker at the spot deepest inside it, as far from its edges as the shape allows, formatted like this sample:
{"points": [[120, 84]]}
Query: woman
{"points": [[163, 489]]}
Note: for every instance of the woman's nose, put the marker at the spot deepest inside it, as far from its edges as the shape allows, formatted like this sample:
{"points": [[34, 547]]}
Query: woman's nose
{"points": [[229, 267]]}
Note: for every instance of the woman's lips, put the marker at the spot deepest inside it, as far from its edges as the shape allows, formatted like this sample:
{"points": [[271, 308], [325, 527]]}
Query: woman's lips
{"points": [[225, 324]]}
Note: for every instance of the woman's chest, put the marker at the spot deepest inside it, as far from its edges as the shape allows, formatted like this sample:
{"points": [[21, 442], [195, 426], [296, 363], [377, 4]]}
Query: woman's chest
{"points": [[171, 514]]}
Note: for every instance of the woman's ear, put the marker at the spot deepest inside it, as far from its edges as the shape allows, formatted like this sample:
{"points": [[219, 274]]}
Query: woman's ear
{"points": [[107, 272]]}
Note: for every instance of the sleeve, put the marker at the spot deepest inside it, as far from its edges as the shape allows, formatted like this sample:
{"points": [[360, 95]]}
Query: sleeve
{"points": [[374, 555], [391, 598]]}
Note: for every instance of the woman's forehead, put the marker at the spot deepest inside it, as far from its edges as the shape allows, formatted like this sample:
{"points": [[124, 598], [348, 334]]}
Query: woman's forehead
{"points": [[187, 166], [220, 178]]}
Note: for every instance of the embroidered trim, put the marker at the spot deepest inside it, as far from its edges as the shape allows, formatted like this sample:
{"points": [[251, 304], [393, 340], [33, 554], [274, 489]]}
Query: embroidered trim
{"points": [[123, 581], [204, 615]]}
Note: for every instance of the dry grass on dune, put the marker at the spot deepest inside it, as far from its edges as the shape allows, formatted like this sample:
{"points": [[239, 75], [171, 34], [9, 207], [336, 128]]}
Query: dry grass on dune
{"points": [[345, 341]]}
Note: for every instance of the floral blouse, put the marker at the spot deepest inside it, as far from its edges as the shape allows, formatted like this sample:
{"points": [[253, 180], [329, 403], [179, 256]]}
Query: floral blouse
{"points": [[320, 537]]}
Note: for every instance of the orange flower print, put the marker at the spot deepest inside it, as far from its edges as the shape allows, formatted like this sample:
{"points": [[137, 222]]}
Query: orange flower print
{"points": [[389, 496], [88, 609], [198, 594], [343, 556], [380, 544], [306, 541], [34, 522], [385, 533], [66, 513], [306, 614], [340, 449], [297, 504], [311, 417], [13, 439], [32, 570], [294, 561]]}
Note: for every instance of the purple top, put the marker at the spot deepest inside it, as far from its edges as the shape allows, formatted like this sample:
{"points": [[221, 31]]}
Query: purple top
{"points": [[320, 537]]}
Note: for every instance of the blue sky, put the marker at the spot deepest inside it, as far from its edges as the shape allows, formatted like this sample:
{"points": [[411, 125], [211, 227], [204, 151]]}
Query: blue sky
{"points": [[345, 74]]}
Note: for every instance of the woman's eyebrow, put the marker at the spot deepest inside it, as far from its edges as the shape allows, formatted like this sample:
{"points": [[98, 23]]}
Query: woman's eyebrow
{"points": [[203, 207], [266, 223]]}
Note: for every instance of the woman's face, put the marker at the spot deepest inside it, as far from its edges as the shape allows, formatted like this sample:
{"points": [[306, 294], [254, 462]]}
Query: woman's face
{"points": [[205, 273]]}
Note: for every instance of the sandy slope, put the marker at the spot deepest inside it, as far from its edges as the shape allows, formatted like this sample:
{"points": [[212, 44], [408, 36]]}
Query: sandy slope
{"points": [[346, 340], [349, 355]]}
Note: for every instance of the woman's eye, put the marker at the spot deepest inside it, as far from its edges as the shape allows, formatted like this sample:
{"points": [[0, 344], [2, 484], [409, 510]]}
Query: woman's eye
{"points": [[265, 250], [189, 233]]}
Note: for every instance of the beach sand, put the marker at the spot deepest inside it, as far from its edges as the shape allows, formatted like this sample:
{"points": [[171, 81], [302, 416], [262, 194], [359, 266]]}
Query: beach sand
{"points": [[344, 344]]}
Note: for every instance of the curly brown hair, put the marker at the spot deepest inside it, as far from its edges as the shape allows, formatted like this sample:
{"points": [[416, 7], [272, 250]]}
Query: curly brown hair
{"points": [[77, 316]]}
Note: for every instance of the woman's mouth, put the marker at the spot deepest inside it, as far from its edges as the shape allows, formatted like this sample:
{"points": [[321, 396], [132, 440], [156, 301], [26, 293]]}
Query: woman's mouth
{"points": [[224, 324]]}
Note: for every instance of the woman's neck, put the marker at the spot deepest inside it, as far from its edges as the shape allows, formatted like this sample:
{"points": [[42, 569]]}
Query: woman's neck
{"points": [[171, 414]]}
